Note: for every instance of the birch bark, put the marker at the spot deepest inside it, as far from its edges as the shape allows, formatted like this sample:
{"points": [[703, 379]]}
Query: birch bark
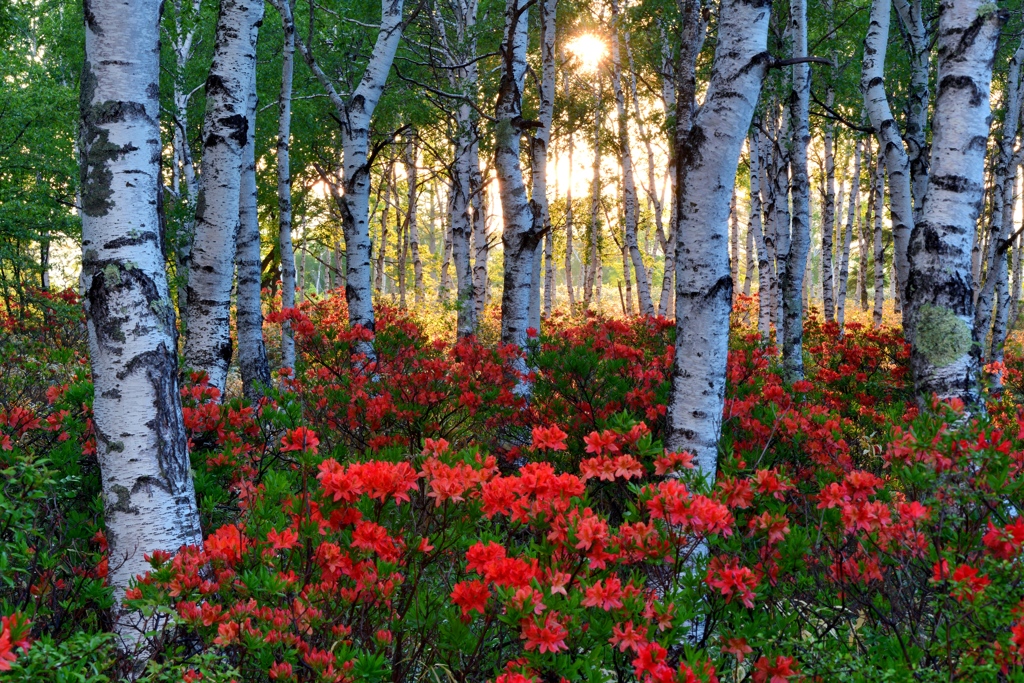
{"points": [[148, 496], [890, 142], [225, 131], [706, 164], [629, 196], [938, 307], [252, 352], [284, 188], [851, 215], [524, 226]]}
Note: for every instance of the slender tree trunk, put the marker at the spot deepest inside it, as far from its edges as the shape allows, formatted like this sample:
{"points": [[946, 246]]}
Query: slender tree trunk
{"points": [[862, 234], [734, 243], [413, 231], [570, 291], [387, 179], [592, 276], [828, 220], [800, 244], [539, 143], [252, 352], [918, 47], [844, 259], [769, 277], [461, 220], [1001, 215], [668, 96], [148, 497], [354, 201], [764, 266], [938, 307], [480, 243], [879, 195], [403, 260], [208, 345], [446, 258], [750, 261], [890, 143], [706, 162], [783, 227], [284, 188], [629, 196], [524, 225]]}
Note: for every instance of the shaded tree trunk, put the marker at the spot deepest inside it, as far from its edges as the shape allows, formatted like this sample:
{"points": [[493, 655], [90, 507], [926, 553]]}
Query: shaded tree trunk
{"points": [[284, 187], [844, 258], [764, 267], [413, 229], [629, 196], [879, 194], [800, 244], [252, 352]]}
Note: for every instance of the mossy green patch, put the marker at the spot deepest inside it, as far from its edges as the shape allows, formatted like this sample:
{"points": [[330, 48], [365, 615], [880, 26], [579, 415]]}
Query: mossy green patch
{"points": [[941, 336]]}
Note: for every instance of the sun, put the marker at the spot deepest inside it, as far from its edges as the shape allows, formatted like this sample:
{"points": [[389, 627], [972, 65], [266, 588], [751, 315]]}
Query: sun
{"points": [[589, 50]]}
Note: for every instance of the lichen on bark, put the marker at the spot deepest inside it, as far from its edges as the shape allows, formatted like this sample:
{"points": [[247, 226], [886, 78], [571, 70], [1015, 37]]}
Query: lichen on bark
{"points": [[941, 336]]}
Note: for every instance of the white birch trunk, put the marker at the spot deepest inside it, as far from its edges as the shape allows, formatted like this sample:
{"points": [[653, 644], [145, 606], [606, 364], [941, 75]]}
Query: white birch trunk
{"points": [[284, 187], [252, 352], [461, 220], [879, 260], [800, 242], [890, 142], [354, 202], [764, 267], [629, 196], [539, 143], [918, 47], [148, 496], [380, 276], [706, 163], [570, 290], [1001, 215], [413, 231], [844, 260], [523, 220], [481, 246], [828, 222], [938, 304], [225, 131]]}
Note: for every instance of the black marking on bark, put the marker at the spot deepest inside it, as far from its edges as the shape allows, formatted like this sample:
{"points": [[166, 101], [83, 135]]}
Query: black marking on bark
{"points": [[961, 82]]}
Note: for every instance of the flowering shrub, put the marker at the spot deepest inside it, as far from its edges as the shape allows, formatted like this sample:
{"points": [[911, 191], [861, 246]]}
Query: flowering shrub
{"points": [[417, 518]]}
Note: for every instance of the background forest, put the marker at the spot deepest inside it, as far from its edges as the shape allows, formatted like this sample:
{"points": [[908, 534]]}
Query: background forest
{"points": [[511, 340]]}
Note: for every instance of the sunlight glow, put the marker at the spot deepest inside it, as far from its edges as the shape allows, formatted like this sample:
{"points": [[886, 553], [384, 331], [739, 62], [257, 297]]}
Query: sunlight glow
{"points": [[589, 50]]}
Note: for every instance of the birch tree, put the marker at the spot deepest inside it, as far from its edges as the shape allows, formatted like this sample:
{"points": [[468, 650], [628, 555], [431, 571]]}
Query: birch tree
{"points": [[706, 162], [764, 287], [800, 243], [284, 181], [539, 143], [225, 131], [524, 227], [148, 497], [844, 256], [1001, 216], [353, 197], [890, 143], [252, 352], [939, 310], [629, 196]]}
